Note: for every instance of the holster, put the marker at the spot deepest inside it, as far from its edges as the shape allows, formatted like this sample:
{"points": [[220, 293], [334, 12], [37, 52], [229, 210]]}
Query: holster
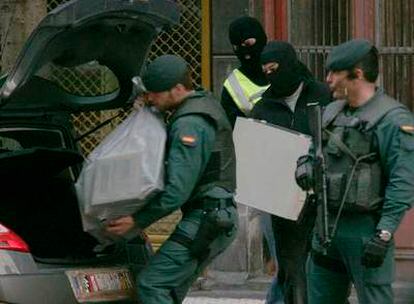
{"points": [[215, 221]]}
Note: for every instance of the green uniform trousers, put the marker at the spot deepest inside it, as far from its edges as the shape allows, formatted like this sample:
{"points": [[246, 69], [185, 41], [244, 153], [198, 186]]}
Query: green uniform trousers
{"points": [[172, 270], [330, 276]]}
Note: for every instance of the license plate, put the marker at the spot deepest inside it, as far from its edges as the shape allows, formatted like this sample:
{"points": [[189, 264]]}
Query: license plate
{"points": [[101, 284]]}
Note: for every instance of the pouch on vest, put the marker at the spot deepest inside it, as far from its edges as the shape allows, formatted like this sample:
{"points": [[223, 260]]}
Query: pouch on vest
{"points": [[359, 197], [363, 193], [367, 188], [336, 186], [332, 148]]}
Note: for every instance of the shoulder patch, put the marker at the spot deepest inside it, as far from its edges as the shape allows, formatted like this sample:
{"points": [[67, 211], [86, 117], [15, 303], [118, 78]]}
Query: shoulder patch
{"points": [[407, 129], [189, 140]]}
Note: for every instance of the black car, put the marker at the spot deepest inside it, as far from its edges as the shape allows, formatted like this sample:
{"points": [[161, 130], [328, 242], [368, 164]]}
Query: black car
{"points": [[45, 256]]}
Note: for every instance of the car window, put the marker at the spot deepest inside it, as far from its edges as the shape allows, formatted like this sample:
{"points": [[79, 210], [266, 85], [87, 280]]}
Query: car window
{"points": [[13, 139], [9, 144]]}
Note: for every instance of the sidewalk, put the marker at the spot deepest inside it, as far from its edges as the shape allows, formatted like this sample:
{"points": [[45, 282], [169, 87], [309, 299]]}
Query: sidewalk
{"points": [[209, 292], [206, 300], [253, 291]]}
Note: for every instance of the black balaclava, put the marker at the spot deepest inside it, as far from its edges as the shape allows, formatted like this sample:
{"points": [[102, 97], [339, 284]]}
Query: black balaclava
{"points": [[290, 73], [244, 28]]}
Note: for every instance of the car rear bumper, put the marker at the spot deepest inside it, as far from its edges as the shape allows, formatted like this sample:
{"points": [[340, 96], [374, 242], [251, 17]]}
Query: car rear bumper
{"points": [[52, 288], [36, 289]]}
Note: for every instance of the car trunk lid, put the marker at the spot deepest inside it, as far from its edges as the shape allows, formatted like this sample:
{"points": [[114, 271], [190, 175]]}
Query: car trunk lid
{"points": [[115, 33]]}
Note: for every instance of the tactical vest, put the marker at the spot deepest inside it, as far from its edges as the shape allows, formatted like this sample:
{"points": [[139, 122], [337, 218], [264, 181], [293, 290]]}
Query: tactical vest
{"points": [[221, 167], [354, 173], [244, 92]]}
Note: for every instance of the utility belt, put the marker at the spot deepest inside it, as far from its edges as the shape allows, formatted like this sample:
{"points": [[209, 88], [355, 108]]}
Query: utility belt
{"points": [[215, 221], [209, 203]]}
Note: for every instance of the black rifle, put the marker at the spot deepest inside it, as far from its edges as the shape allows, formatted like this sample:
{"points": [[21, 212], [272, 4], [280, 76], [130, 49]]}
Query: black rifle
{"points": [[319, 173]]}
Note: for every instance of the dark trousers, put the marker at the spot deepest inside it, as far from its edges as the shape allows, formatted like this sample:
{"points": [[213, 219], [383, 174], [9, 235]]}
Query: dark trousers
{"points": [[293, 241], [330, 276], [173, 269]]}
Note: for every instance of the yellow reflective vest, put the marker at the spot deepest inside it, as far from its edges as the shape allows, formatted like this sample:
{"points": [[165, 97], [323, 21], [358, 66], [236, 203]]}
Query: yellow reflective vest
{"points": [[244, 92]]}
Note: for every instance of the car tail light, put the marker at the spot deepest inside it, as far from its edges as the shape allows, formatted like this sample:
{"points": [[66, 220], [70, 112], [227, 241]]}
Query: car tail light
{"points": [[11, 241]]}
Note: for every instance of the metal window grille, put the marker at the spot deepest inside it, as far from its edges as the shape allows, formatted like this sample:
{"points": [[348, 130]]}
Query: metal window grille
{"points": [[318, 25], [395, 40], [184, 40], [315, 27]]}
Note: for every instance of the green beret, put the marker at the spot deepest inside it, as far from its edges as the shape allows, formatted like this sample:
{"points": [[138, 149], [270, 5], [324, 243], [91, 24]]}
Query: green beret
{"points": [[164, 73], [346, 55]]}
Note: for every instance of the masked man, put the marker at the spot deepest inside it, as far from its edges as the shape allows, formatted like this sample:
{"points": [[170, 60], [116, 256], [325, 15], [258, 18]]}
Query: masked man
{"points": [[284, 104]]}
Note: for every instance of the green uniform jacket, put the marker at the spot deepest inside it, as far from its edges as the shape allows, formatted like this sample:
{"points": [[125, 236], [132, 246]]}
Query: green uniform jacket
{"points": [[191, 139], [395, 136]]}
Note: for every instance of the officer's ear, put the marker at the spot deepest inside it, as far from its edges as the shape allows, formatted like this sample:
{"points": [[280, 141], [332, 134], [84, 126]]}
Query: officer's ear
{"points": [[356, 73], [179, 88], [178, 91]]}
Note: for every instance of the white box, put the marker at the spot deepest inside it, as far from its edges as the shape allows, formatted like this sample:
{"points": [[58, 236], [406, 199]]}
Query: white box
{"points": [[266, 161]]}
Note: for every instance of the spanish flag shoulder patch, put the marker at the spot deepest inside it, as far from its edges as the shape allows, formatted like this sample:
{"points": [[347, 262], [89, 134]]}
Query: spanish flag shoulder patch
{"points": [[189, 140], [407, 128]]}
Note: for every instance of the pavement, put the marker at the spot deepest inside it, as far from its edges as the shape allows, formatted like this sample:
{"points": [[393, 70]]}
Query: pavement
{"points": [[253, 291], [207, 300], [206, 291]]}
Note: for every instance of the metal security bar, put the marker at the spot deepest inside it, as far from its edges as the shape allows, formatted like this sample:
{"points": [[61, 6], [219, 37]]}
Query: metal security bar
{"points": [[315, 26], [395, 40]]}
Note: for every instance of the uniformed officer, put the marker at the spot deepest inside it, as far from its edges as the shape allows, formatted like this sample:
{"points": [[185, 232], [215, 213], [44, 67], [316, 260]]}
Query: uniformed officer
{"points": [[200, 180], [369, 151]]}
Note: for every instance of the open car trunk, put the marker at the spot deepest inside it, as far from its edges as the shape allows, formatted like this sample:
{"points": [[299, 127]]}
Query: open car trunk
{"points": [[40, 205], [39, 202]]}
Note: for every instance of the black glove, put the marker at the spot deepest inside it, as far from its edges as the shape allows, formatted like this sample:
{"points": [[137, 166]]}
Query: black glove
{"points": [[375, 251], [304, 172]]}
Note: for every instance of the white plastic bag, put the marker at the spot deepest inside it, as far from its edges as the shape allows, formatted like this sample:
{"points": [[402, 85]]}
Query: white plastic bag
{"points": [[123, 171]]}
